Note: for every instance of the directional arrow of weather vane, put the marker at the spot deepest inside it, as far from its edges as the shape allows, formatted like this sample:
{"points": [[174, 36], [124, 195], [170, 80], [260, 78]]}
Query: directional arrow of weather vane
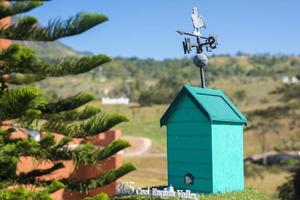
{"points": [[209, 43]]}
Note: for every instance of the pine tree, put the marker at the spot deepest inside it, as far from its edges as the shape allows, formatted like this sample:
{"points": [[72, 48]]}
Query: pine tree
{"points": [[27, 109]]}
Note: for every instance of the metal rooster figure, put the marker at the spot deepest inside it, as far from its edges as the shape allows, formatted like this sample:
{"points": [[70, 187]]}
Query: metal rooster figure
{"points": [[198, 21], [210, 43]]}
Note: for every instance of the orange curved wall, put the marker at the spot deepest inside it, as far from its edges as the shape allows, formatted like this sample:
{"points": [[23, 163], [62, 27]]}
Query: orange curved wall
{"points": [[3, 23]]}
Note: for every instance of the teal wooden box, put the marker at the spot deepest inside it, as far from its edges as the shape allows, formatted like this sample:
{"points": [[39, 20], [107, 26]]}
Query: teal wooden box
{"points": [[204, 142]]}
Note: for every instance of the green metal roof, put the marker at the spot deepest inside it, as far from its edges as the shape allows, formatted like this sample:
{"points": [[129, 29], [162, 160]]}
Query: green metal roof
{"points": [[213, 103]]}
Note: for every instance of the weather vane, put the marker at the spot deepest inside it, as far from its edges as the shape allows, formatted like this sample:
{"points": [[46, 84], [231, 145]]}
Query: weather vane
{"points": [[209, 43]]}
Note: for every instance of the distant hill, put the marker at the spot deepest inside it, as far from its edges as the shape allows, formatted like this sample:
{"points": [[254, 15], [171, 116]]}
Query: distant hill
{"points": [[52, 50], [256, 75]]}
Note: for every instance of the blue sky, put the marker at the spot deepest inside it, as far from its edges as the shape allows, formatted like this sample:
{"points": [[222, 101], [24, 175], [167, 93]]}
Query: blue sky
{"points": [[146, 28]]}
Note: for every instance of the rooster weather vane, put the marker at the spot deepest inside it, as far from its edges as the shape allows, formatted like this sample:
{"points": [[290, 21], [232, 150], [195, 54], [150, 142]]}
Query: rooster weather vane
{"points": [[209, 43]]}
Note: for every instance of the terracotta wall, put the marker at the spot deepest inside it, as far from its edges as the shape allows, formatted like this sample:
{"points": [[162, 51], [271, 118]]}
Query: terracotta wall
{"points": [[3, 45], [3, 23], [86, 172]]}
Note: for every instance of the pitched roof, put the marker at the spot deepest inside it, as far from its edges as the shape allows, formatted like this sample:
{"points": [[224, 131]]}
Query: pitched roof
{"points": [[215, 105]]}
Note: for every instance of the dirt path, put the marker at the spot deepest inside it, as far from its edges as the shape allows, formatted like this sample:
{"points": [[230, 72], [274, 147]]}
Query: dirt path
{"points": [[139, 145], [274, 157]]}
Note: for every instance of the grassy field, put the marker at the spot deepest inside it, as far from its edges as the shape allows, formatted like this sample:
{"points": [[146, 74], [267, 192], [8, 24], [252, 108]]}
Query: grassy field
{"points": [[151, 171], [248, 194], [257, 91], [143, 121], [269, 182]]}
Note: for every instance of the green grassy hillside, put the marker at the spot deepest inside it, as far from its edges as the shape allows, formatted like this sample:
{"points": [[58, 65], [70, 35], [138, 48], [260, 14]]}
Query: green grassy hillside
{"points": [[52, 50], [248, 194]]}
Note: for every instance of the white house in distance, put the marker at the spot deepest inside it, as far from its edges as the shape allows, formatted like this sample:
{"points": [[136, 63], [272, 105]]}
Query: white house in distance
{"points": [[292, 80], [115, 101]]}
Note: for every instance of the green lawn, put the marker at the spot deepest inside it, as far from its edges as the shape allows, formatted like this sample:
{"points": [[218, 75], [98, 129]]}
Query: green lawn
{"points": [[143, 121], [248, 194]]}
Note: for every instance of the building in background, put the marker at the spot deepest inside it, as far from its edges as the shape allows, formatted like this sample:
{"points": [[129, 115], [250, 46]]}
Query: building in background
{"points": [[114, 101]]}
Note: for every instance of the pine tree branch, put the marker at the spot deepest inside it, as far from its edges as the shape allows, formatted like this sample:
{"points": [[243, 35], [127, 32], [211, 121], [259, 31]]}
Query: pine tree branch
{"points": [[68, 103], [8, 163], [54, 186], [16, 102], [22, 29], [85, 185], [47, 141], [72, 115], [30, 177], [9, 154], [87, 154], [21, 79], [5, 184], [17, 7], [73, 66], [18, 59], [47, 148], [27, 28], [5, 136], [99, 123], [106, 178], [24, 193], [63, 142]]}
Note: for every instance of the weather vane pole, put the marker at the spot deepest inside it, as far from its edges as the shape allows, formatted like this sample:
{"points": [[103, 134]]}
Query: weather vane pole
{"points": [[209, 43]]}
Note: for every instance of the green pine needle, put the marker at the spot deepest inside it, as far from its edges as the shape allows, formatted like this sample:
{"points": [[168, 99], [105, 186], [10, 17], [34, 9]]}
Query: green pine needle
{"points": [[106, 178], [18, 59], [22, 193], [21, 79], [68, 103], [72, 115], [89, 155], [72, 66], [27, 28], [99, 123], [54, 186], [17, 7], [29, 178], [112, 149], [16, 102]]}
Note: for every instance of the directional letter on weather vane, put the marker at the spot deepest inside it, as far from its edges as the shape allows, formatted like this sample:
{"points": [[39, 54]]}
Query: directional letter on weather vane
{"points": [[210, 43]]}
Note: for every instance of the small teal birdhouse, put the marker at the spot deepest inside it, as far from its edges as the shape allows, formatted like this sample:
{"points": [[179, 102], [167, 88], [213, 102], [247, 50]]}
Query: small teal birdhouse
{"points": [[204, 142]]}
